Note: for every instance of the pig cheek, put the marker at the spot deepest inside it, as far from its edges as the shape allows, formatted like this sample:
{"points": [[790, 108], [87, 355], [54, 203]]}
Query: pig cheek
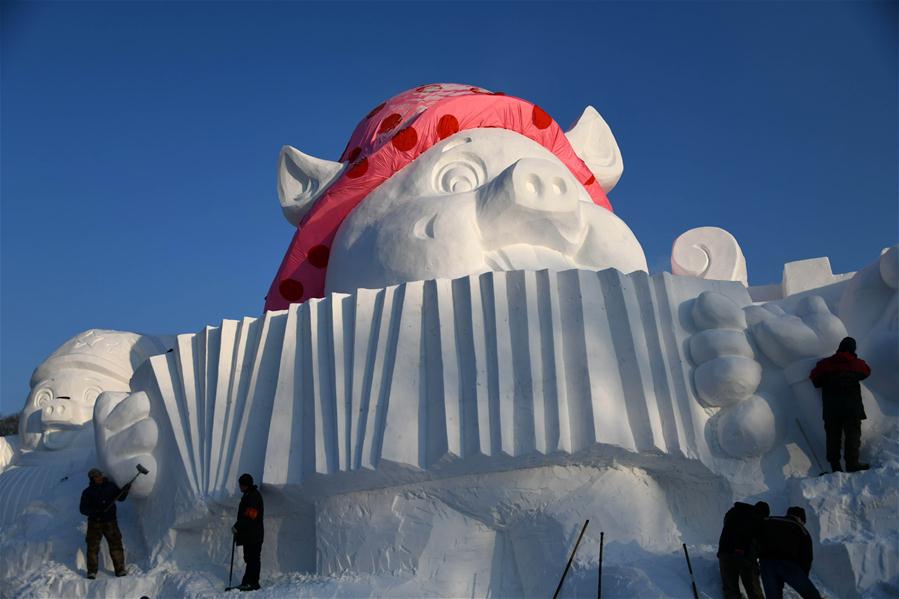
{"points": [[30, 427], [437, 241]]}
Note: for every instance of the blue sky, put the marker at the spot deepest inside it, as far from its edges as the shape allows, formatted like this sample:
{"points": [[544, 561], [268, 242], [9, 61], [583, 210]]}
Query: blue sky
{"points": [[139, 140]]}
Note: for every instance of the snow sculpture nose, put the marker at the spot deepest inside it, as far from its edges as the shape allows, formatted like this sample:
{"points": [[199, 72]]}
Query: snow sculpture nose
{"points": [[61, 412], [533, 200]]}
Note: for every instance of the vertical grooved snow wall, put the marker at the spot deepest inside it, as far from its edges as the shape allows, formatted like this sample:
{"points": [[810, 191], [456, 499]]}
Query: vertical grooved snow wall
{"points": [[517, 364]]}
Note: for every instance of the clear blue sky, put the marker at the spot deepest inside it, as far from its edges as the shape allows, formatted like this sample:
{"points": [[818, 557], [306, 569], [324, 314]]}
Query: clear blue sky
{"points": [[139, 140]]}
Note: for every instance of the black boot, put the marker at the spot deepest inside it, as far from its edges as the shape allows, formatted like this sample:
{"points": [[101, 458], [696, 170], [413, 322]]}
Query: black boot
{"points": [[857, 467], [835, 467]]}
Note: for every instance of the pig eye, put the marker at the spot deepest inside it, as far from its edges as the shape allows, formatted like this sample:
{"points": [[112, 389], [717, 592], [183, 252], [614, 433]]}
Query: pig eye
{"points": [[42, 398], [462, 174]]}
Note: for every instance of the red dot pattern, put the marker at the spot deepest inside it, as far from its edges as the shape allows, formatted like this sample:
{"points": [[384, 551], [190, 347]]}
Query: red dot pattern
{"points": [[540, 118], [354, 154], [291, 290], [447, 125], [389, 123], [358, 170], [318, 256], [590, 181], [405, 140]]}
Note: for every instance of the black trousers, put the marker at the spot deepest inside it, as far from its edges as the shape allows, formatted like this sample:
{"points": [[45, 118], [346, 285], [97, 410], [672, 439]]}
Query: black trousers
{"points": [[252, 557], [95, 533], [835, 429]]}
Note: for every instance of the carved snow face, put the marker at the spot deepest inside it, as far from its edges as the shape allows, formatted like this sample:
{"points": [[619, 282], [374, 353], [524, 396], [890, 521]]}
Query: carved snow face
{"points": [[58, 407], [481, 200]]}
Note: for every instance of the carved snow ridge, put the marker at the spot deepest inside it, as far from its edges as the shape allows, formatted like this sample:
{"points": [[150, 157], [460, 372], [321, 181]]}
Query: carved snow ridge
{"points": [[510, 364]]}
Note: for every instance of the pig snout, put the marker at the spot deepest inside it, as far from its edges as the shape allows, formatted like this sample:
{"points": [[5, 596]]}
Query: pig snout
{"points": [[59, 412], [533, 201]]}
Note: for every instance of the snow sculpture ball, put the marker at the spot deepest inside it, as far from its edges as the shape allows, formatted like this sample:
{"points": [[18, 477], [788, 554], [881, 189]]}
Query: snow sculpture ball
{"points": [[65, 386], [747, 429], [448, 180]]}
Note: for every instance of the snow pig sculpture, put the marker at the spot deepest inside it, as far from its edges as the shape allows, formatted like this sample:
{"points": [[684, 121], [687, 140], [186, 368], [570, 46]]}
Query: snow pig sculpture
{"points": [[449, 180], [462, 349]]}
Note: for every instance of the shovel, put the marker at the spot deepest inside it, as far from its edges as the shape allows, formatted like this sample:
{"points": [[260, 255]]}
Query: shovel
{"points": [[140, 470]]}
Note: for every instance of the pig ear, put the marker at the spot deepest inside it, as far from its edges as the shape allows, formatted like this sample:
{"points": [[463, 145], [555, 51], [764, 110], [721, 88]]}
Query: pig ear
{"points": [[301, 180], [594, 143]]}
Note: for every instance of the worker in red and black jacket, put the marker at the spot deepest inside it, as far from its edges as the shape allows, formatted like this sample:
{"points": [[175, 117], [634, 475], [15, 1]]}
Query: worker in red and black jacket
{"points": [[248, 531], [839, 378]]}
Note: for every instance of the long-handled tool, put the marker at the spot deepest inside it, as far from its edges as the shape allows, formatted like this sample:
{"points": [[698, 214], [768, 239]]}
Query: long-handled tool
{"points": [[231, 571], [599, 580], [570, 559], [812, 449], [690, 568], [140, 470]]}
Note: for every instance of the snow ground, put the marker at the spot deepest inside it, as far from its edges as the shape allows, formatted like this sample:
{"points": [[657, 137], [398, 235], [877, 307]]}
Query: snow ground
{"points": [[854, 522]]}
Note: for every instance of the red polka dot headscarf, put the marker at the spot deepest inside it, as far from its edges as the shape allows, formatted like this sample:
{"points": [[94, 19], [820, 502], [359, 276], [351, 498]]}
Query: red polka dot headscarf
{"points": [[391, 136]]}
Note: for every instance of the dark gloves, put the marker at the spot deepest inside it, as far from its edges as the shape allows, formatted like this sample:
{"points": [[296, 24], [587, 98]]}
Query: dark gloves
{"points": [[126, 488]]}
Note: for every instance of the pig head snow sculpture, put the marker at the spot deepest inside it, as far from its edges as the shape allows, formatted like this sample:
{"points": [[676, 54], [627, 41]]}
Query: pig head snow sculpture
{"points": [[448, 180]]}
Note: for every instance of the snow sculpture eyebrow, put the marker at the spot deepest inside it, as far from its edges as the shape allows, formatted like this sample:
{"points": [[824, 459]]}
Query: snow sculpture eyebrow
{"points": [[455, 143]]}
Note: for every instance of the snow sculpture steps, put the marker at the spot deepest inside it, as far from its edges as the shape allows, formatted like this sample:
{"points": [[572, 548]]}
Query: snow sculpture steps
{"points": [[420, 375]]}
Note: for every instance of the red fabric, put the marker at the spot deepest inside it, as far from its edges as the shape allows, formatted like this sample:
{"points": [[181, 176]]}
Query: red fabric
{"points": [[251, 513], [837, 363], [381, 145]]}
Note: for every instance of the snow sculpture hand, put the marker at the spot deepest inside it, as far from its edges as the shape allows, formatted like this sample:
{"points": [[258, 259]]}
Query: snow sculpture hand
{"points": [[727, 376], [870, 309], [811, 332], [126, 436]]}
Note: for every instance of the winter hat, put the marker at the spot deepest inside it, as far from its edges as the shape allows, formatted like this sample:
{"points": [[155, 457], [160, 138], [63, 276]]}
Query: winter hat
{"points": [[763, 509], [390, 137], [796, 512], [847, 345], [245, 480], [94, 472], [112, 353]]}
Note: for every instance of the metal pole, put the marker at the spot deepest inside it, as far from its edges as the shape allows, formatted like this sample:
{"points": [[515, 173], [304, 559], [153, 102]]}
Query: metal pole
{"points": [[812, 449], [599, 579], [690, 567], [568, 565], [231, 571]]}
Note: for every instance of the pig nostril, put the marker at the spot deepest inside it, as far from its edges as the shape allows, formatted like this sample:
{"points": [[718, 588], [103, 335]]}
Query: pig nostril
{"points": [[533, 184], [559, 187], [50, 410]]}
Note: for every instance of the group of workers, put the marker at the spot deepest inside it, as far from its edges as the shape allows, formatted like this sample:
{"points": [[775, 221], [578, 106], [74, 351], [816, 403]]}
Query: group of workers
{"points": [[752, 542], [777, 547], [780, 548], [98, 504]]}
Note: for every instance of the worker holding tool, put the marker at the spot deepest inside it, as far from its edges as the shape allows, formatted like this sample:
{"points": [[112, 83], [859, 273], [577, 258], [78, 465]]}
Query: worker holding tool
{"points": [[249, 532], [98, 504]]}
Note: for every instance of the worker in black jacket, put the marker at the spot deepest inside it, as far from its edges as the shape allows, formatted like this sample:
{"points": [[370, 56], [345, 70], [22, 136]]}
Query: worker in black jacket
{"points": [[786, 555], [839, 378], [98, 504], [738, 549], [249, 532]]}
